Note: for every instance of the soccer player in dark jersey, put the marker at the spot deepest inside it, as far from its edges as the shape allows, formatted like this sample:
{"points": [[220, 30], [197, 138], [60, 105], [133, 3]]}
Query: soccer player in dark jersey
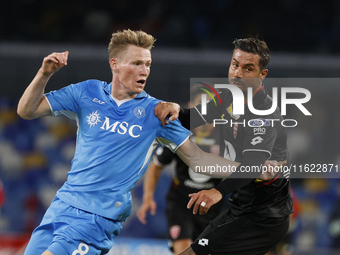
{"points": [[184, 227], [258, 217]]}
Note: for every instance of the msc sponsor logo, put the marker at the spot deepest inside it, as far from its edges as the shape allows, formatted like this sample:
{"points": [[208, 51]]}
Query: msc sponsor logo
{"points": [[122, 128]]}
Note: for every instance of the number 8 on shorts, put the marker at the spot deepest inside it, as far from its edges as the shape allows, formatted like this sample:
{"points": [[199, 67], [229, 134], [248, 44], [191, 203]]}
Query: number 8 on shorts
{"points": [[80, 250]]}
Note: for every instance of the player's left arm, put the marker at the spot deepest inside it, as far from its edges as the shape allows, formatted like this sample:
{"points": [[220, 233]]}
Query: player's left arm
{"points": [[257, 149], [176, 138], [242, 176], [194, 157]]}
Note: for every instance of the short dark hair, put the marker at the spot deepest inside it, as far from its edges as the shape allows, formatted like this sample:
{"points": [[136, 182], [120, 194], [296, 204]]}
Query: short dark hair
{"points": [[256, 46]]}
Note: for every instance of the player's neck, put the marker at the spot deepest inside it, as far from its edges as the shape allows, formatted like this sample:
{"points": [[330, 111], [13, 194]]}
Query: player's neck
{"points": [[119, 92], [256, 90]]}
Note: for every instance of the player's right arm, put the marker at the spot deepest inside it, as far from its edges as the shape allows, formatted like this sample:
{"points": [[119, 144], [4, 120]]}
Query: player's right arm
{"points": [[150, 182], [32, 103]]}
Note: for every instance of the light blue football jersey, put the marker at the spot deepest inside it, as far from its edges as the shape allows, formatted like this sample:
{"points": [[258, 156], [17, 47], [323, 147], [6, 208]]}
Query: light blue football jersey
{"points": [[114, 145]]}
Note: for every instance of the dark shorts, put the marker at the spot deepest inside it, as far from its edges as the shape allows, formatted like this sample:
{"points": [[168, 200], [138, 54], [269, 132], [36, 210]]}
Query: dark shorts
{"points": [[240, 235], [183, 224]]}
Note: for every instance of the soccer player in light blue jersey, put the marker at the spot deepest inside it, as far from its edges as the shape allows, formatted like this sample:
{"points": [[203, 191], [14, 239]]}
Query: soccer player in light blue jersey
{"points": [[117, 131]]}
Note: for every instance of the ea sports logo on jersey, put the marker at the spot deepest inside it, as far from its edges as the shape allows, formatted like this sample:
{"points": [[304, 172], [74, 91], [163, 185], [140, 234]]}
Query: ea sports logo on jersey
{"points": [[139, 112]]}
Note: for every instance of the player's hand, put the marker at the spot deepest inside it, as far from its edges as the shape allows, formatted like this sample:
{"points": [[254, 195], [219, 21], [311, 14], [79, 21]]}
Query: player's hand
{"points": [[53, 62], [209, 197], [144, 208], [165, 109], [272, 167]]}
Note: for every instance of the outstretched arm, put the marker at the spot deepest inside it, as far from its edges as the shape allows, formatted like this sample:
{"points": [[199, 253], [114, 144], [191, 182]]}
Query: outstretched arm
{"points": [[32, 103], [218, 167], [200, 161]]}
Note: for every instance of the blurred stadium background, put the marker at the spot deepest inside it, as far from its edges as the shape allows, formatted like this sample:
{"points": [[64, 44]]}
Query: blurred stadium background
{"points": [[193, 40]]}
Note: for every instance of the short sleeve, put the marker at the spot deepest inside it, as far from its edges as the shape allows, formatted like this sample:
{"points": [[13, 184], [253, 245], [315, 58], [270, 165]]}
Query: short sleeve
{"points": [[173, 135], [65, 101]]}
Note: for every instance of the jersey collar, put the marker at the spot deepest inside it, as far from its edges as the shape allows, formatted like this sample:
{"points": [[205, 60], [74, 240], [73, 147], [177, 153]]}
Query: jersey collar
{"points": [[260, 95], [108, 87], [259, 89]]}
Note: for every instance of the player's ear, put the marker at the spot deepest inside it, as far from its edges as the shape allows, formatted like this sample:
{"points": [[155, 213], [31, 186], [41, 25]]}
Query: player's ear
{"points": [[113, 65], [263, 73]]}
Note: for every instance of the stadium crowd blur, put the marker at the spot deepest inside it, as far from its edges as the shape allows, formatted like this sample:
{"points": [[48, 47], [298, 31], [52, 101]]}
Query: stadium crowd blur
{"points": [[290, 25], [35, 155]]}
